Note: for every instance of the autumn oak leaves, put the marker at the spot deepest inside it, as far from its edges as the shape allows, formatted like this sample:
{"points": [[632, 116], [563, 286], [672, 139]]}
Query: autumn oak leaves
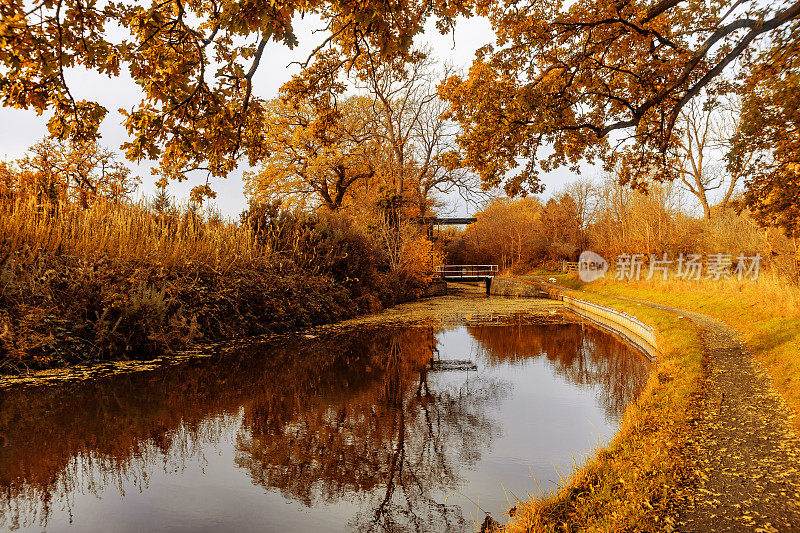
{"points": [[591, 80], [604, 79], [194, 61]]}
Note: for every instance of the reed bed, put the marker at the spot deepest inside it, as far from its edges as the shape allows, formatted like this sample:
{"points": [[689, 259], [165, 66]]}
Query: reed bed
{"points": [[126, 280], [130, 233]]}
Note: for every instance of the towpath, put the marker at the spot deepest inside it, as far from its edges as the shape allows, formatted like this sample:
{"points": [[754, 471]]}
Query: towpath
{"points": [[745, 451]]}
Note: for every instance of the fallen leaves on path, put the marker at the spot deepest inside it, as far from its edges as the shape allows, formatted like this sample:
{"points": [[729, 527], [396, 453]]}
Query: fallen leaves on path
{"points": [[746, 455]]}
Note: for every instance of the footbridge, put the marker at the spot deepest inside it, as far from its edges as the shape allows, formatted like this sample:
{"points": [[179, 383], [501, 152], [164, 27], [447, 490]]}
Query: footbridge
{"points": [[437, 222], [468, 273]]}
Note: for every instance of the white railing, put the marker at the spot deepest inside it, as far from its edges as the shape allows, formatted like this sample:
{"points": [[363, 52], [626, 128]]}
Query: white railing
{"points": [[467, 271]]}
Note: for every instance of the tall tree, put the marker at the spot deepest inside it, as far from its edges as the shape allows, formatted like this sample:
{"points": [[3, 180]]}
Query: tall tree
{"points": [[195, 62], [436, 165], [563, 79], [399, 91], [387, 142], [420, 142], [704, 133], [767, 148], [315, 154]]}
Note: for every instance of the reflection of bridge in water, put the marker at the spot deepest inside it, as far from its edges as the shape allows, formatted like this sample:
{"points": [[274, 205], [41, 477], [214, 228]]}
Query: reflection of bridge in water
{"points": [[471, 319], [468, 273], [443, 365]]}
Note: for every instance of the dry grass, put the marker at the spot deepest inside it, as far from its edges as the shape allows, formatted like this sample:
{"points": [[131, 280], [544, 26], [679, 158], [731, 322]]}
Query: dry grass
{"points": [[125, 281], [766, 312], [122, 280], [769, 296], [129, 233]]}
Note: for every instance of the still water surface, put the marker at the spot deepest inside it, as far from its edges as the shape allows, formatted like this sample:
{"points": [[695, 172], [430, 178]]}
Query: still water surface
{"points": [[414, 428]]}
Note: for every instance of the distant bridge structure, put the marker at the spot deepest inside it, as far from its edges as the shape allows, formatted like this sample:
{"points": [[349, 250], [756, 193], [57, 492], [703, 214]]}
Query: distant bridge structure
{"points": [[468, 273], [445, 221], [437, 222]]}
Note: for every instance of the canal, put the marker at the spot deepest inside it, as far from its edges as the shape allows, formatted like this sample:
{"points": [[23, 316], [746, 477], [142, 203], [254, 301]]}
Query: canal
{"points": [[419, 426]]}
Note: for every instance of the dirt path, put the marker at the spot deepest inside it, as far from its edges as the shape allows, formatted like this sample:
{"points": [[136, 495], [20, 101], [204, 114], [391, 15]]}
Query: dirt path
{"points": [[746, 454]]}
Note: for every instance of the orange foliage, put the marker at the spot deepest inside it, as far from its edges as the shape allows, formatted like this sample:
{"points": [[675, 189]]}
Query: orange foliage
{"points": [[418, 259]]}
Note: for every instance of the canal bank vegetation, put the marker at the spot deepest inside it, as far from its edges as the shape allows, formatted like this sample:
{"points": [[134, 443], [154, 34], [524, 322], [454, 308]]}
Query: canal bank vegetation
{"points": [[87, 274]]}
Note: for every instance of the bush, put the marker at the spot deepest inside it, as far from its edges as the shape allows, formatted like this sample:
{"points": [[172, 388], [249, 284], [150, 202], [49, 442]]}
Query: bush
{"points": [[324, 243], [417, 263]]}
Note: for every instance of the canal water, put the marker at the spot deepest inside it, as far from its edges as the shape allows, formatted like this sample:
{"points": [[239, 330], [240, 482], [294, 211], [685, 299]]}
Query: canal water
{"points": [[373, 428]]}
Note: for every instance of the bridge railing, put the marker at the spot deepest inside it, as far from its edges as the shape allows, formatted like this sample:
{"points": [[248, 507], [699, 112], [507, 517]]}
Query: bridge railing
{"points": [[467, 271], [569, 266]]}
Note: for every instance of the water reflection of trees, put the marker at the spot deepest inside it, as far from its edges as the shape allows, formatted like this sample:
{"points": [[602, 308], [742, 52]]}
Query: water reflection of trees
{"points": [[58, 442], [398, 444], [347, 416], [322, 418], [584, 355]]}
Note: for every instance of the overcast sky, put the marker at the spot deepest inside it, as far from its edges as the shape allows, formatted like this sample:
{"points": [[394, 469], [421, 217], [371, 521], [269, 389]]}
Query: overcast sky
{"points": [[20, 129]]}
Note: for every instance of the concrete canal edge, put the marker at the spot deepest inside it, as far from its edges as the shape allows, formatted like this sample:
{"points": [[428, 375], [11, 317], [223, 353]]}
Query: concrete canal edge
{"points": [[631, 329], [638, 334], [635, 480]]}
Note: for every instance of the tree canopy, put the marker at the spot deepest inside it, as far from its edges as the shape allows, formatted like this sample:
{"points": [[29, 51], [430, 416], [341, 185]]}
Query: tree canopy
{"points": [[565, 83], [602, 79], [55, 171], [314, 156], [767, 148], [193, 59]]}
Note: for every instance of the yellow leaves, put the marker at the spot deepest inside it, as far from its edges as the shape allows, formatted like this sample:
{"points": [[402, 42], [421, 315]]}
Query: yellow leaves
{"points": [[591, 67], [418, 257], [200, 192], [170, 51]]}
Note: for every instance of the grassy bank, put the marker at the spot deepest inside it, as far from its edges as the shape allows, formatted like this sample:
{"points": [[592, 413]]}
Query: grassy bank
{"points": [[636, 480], [766, 312], [123, 281], [632, 484]]}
